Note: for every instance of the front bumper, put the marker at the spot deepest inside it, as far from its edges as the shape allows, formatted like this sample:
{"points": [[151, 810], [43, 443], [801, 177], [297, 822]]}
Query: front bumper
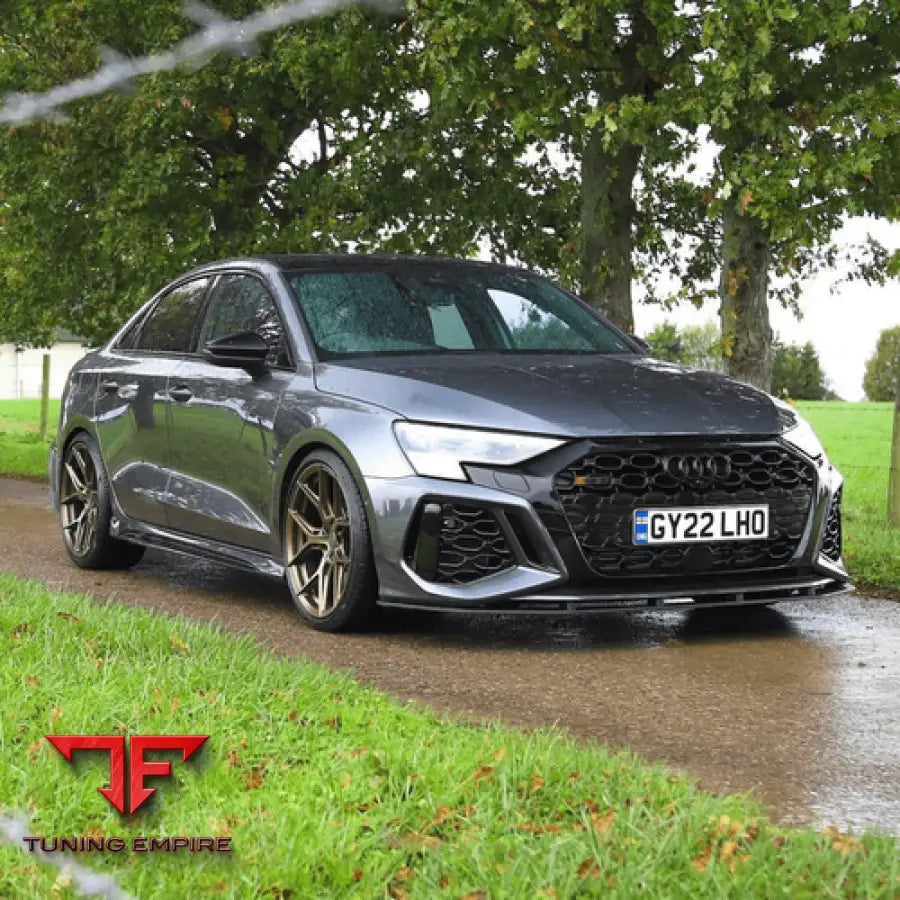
{"points": [[544, 566]]}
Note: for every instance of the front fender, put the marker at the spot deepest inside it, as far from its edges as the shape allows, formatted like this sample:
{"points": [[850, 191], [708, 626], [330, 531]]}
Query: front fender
{"points": [[360, 434]]}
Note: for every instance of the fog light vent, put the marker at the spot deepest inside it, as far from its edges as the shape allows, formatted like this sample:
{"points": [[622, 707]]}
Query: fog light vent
{"points": [[831, 543], [471, 544]]}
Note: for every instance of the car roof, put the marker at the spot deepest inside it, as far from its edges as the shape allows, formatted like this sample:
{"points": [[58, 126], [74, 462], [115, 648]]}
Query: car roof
{"points": [[292, 262]]}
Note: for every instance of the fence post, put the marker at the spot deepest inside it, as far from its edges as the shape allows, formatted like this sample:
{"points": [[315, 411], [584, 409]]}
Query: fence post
{"points": [[894, 486], [45, 394]]}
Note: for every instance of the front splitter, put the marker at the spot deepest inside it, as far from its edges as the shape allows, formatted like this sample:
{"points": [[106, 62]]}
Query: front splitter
{"points": [[574, 602]]}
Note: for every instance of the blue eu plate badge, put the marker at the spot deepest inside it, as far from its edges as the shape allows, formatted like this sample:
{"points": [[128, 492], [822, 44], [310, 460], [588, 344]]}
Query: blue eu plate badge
{"points": [[641, 526]]}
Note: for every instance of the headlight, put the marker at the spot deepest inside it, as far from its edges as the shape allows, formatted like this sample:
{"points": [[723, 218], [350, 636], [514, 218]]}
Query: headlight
{"points": [[799, 432], [438, 451]]}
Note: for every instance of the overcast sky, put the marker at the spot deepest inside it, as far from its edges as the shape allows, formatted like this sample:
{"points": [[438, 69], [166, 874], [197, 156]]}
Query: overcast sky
{"points": [[843, 326]]}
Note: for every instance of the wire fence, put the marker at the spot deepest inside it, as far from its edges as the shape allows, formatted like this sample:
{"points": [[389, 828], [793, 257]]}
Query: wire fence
{"points": [[216, 34]]}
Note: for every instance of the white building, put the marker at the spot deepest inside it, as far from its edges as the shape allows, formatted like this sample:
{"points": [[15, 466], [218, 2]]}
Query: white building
{"points": [[20, 369]]}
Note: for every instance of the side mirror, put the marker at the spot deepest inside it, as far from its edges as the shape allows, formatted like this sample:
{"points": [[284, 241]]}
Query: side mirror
{"points": [[241, 350]]}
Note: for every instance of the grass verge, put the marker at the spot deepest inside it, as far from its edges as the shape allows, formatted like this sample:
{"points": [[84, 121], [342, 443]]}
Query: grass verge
{"points": [[22, 452], [329, 788]]}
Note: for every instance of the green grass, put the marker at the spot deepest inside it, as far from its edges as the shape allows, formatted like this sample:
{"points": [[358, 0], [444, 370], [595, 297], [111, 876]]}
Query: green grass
{"points": [[329, 788], [22, 453], [856, 435]]}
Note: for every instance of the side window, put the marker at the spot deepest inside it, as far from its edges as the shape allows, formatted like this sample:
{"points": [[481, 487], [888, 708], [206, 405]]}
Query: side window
{"points": [[170, 325], [243, 303]]}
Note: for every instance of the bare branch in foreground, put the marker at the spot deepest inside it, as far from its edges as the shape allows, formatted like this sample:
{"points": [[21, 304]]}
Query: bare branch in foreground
{"points": [[15, 828], [216, 34]]}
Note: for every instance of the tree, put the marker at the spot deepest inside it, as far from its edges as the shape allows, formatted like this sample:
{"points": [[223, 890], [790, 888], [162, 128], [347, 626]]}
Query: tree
{"points": [[558, 131], [797, 96], [101, 210], [694, 345], [797, 372], [801, 96], [665, 342], [883, 367], [577, 81]]}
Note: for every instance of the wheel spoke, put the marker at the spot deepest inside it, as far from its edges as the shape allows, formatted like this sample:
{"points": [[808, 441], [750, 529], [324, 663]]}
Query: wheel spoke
{"points": [[327, 487], [322, 593], [297, 558], [86, 467], [315, 577], [77, 519], [312, 533], [310, 495], [90, 527], [338, 578], [78, 539], [77, 483]]}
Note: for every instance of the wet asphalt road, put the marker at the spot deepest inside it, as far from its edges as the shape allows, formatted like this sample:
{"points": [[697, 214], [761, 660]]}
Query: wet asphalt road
{"points": [[799, 705]]}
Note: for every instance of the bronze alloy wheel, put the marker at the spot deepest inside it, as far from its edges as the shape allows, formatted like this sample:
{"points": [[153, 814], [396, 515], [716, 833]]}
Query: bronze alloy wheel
{"points": [[318, 544], [79, 500], [85, 510]]}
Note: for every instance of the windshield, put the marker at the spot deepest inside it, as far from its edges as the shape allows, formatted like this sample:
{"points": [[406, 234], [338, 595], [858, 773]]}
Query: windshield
{"points": [[446, 309]]}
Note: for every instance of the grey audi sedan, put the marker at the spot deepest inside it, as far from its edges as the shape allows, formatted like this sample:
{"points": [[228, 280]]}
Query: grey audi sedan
{"points": [[428, 433]]}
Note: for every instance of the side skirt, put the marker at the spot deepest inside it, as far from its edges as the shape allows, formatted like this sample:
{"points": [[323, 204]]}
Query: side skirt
{"points": [[191, 545]]}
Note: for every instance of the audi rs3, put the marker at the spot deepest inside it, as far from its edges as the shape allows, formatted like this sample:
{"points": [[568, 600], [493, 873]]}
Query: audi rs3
{"points": [[437, 434]]}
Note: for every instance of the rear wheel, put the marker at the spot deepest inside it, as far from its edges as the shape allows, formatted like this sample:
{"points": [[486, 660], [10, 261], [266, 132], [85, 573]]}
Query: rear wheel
{"points": [[328, 554], [85, 511]]}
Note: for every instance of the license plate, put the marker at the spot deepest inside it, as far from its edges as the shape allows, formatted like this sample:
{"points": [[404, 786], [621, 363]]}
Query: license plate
{"points": [[689, 524]]}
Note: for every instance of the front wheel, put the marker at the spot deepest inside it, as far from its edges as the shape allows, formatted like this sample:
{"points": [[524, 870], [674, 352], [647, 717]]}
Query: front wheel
{"points": [[328, 554], [85, 511]]}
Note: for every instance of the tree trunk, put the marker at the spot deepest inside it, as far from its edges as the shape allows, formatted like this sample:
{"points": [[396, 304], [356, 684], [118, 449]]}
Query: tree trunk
{"points": [[743, 291], [607, 215]]}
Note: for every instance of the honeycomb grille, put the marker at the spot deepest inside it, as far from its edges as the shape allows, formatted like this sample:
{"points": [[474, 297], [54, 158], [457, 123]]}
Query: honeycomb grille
{"points": [[831, 544], [471, 544], [600, 491]]}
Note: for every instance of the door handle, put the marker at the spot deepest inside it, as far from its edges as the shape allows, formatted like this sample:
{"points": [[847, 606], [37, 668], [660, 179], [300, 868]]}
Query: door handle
{"points": [[181, 394], [109, 387]]}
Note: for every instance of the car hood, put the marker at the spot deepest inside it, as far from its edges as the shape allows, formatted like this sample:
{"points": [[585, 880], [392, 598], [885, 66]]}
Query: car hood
{"points": [[573, 396]]}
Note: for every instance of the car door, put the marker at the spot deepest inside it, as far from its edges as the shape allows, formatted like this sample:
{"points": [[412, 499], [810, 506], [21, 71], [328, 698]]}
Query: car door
{"points": [[131, 403], [223, 418]]}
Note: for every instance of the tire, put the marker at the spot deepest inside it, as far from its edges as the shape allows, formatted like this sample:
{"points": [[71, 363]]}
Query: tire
{"points": [[328, 560], [85, 510]]}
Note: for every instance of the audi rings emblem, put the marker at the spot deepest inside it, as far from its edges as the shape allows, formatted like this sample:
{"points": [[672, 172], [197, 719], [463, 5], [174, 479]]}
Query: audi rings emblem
{"points": [[698, 468]]}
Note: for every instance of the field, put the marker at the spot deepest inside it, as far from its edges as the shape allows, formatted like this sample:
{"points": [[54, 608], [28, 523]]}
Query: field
{"points": [[330, 788], [856, 435], [21, 452]]}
